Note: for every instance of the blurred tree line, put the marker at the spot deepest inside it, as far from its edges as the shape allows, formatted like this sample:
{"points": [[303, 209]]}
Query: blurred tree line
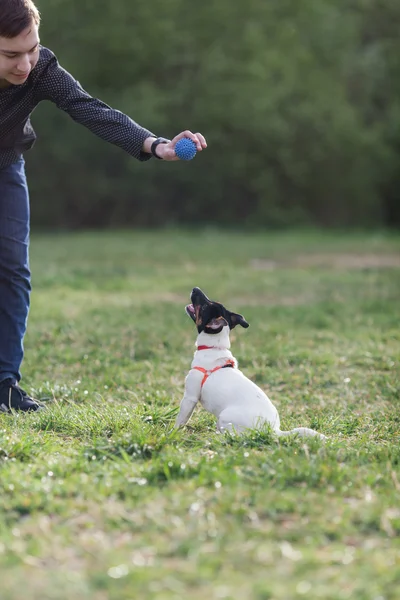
{"points": [[299, 101]]}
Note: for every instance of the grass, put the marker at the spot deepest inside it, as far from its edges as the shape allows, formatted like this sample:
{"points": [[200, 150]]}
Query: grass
{"points": [[100, 498]]}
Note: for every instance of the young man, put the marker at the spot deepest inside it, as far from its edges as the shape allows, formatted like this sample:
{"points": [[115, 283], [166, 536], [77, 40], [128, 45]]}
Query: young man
{"points": [[30, 73]]}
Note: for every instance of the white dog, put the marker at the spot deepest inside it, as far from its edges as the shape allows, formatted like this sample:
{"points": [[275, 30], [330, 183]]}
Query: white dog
{"points": [[216, 381]]}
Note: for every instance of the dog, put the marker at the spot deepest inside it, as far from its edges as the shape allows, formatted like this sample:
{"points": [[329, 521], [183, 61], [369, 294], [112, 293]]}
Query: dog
{"points": [[215, 380]]}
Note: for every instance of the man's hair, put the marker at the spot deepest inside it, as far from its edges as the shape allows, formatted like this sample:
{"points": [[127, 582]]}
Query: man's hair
{"points": [[17, 15]]}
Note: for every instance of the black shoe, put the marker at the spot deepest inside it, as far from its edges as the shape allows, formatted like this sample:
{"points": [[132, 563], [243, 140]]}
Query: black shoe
{"points": [[12, 397]]}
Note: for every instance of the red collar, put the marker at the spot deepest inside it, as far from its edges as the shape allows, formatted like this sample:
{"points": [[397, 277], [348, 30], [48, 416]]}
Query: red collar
{"points": [[209, 348]]}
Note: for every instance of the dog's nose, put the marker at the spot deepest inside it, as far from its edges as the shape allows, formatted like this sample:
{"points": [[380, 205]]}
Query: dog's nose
{"points": [[198, 296]]}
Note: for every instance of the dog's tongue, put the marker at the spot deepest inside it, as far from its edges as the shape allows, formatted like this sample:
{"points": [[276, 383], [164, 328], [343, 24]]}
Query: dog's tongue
{"points": [[190, 308]]}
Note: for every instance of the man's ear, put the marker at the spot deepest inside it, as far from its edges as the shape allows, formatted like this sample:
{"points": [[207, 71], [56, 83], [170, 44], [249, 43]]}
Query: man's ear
{"points": [[238, 320]]}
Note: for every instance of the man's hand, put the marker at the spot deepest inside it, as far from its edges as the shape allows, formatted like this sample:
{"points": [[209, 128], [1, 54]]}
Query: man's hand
{"points": [[167, 151]]}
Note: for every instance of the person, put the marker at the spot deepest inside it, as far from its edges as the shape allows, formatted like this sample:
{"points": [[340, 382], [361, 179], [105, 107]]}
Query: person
{"points": [[30, 73]]}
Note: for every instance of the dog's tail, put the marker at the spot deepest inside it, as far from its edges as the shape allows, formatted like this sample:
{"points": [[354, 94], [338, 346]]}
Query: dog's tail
{"points": [[302, 432]]}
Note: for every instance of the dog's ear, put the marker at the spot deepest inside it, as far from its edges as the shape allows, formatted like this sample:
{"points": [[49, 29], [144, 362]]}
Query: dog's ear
{"points": [[238, 320]]}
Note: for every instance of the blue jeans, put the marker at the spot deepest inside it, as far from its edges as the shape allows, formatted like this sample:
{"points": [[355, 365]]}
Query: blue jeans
{"points": [[15, 279]]}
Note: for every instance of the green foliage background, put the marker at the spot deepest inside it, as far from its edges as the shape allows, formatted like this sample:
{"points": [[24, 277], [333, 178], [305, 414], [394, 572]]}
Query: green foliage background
{"points": [[299, 101]]}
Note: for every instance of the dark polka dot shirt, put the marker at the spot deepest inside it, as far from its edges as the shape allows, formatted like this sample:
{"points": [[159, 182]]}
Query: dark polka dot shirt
{"points": [[49, 81]]}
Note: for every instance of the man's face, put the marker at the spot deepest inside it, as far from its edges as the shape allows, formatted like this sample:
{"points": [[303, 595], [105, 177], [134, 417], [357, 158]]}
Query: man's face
{"points": [[19, 55]]}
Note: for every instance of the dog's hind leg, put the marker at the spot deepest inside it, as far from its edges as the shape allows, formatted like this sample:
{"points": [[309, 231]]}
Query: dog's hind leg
{"points": [[302, 432], [231, 419]]}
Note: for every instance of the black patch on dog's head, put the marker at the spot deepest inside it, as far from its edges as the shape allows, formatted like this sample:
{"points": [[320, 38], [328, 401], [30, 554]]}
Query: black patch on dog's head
{"points": [[211, 317]]}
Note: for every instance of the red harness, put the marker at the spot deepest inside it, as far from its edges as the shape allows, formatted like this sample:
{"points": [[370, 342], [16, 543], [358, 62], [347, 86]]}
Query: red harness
{"points": [[208, 372]]}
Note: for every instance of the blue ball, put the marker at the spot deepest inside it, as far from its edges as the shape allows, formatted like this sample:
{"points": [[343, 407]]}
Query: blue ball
{"points": [[185, 149]]}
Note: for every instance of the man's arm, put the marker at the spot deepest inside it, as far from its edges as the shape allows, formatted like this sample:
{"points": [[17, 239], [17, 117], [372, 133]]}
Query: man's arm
{"points": [[58, 86]]}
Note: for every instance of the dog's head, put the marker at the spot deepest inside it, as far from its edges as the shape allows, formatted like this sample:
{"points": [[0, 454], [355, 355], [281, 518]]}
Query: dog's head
{"points": [[211, 317]]}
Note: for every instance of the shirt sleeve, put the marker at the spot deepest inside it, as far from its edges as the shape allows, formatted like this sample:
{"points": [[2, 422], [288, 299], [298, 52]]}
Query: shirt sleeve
{"points": [[58, 86]]}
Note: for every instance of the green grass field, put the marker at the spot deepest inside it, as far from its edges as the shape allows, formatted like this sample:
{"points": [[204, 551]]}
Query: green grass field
{"points": [[100, 498]]}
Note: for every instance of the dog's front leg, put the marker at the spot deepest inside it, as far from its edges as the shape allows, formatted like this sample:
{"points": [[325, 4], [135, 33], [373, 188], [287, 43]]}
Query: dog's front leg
{"points": [[190, 398]]}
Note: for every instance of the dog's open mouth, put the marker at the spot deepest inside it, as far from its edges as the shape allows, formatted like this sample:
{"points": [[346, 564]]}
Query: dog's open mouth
{"points": [[194, 313], [190, 310]]}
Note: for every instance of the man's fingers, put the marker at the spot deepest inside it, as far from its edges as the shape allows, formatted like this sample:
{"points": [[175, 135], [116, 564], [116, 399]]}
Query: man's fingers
{"points": [[202, 140], [197, 138]]}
